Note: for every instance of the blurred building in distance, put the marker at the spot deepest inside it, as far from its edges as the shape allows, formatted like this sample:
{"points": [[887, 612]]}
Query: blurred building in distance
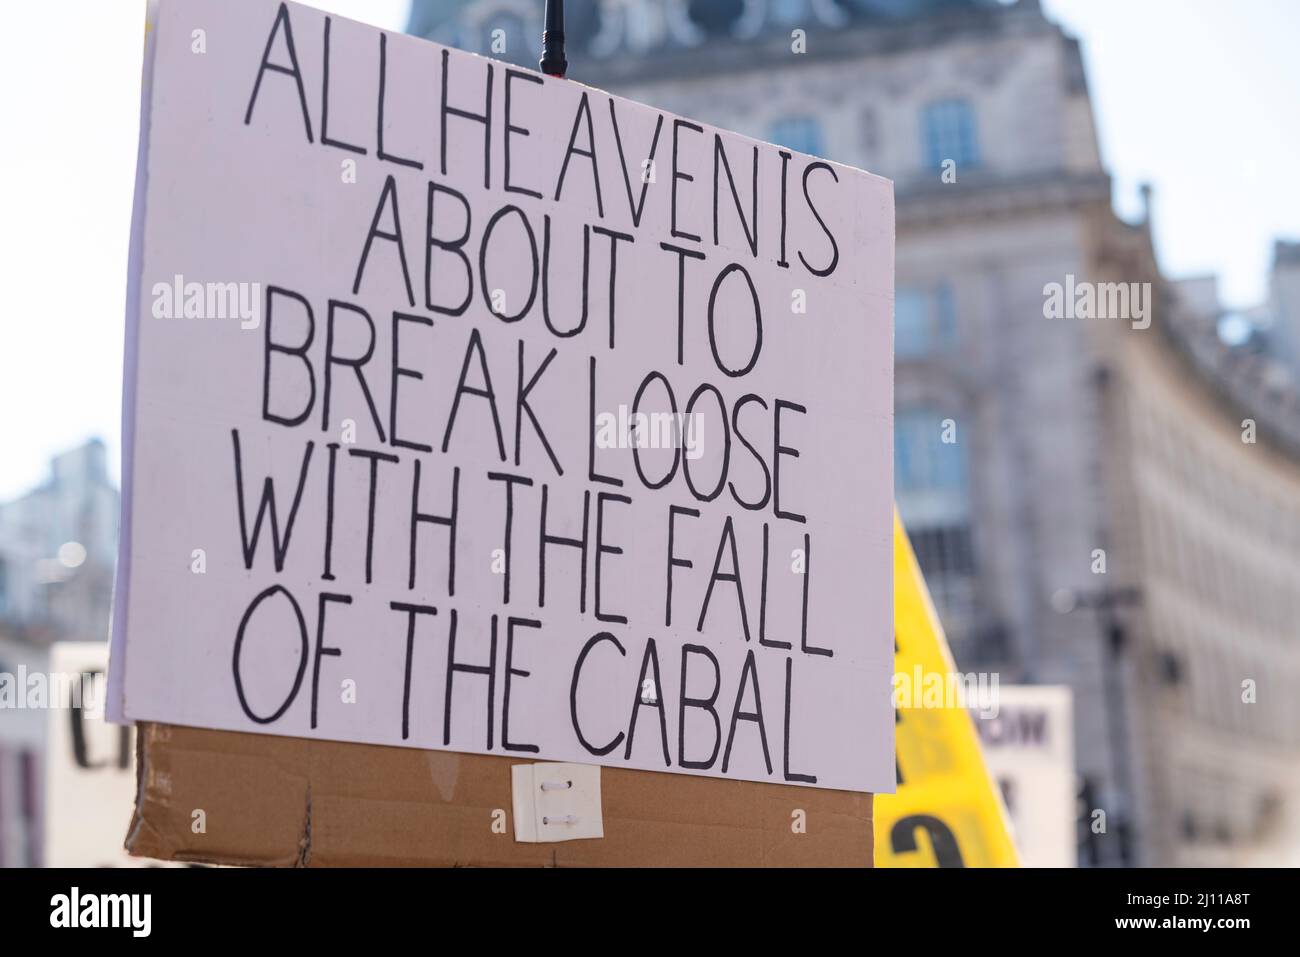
{"points": [[58, 549], [1284, 307], [22, 749], [1083, 494]]}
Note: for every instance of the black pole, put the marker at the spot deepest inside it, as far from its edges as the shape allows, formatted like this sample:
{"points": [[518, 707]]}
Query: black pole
{"points": [[553, 62], [1117, 726]]}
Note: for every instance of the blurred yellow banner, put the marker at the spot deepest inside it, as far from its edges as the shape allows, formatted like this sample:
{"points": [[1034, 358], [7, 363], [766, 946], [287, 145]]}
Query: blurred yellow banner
{"points": [[947, 812]]}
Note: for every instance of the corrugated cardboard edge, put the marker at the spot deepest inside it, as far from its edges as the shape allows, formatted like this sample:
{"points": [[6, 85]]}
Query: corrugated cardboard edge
{"points": [[292, 802]]}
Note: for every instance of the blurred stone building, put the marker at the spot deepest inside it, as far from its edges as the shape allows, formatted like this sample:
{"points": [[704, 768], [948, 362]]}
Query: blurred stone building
{"points": [[1120, 508], [1284, 307], [58, 549]]}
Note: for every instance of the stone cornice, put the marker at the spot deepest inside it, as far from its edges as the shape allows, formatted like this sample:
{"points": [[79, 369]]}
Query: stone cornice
{"points": [[983, 196]]}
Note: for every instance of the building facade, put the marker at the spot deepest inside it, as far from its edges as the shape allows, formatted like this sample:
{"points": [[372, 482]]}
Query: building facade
{"points": [[58, 550], [1204, 458], [1284, 307], [1078, 490]]}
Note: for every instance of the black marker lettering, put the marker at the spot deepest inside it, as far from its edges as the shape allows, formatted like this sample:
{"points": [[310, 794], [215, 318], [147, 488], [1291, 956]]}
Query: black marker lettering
{"points": [[411, 612], [321, 648], [521, 131], [395, 236], [489, 671], [448, 520], [269, 346], [379, 134], [512, 672], [485, 118], [281, 18], [354, 362], [265, 507], [584, 110], [325, 103], [573, 693], [705, 704]]}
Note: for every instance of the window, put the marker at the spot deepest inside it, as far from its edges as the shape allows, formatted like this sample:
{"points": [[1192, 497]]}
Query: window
{"points": [[948, 132], [932, 488], [929, 455], [789, 11], [924, 320], [891, 8], [800, 133], [911, 336], [867, 128], [945, 316], [944, 552]]}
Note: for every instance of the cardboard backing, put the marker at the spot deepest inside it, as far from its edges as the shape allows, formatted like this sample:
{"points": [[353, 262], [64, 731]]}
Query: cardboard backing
{"points": [[292, 802]]}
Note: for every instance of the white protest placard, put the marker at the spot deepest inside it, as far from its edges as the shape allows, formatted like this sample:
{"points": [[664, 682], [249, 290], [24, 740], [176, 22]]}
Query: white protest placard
{"points": [[89, 765], [1029, 748], [478, 410]]}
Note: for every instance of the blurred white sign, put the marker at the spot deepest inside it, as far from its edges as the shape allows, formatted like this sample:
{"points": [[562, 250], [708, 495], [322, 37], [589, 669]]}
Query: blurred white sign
{"points": [[89, 765], [1029, 748]]}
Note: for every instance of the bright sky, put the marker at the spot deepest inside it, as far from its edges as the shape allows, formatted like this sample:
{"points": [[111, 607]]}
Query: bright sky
{"points": [[1199, 97]]}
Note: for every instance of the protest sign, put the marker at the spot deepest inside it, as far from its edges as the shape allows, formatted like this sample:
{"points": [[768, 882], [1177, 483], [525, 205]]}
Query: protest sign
{"points": [[477, 410], [1029, 748], [89, 765], [946, 811]]}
